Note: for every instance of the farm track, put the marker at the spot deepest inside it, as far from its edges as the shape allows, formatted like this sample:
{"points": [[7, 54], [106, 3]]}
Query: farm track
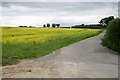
{"points": [[83, 59]]}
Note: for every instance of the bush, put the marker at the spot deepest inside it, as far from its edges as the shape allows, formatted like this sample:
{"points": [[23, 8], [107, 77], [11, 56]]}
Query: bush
{"points": [[112, 37]]}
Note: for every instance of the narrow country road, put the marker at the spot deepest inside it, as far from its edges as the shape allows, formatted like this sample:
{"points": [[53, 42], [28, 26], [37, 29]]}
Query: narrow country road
{"points": [[83, 59]]}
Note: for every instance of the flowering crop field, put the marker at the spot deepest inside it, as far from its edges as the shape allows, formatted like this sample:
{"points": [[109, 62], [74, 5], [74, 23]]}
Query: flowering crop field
{"points": [[26, 43]]}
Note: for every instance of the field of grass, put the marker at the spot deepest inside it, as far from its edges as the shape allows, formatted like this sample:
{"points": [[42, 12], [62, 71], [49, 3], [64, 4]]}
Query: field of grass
{"points": [[26, 43]]}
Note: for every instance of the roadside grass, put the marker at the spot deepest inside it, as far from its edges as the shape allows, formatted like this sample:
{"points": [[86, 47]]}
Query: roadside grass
{"points": [[27, 43]]}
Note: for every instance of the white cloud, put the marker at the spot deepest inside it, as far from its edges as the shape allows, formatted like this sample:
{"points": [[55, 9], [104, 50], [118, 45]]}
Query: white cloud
{"points": [[15, 14], [59, 9], [14, 10]]}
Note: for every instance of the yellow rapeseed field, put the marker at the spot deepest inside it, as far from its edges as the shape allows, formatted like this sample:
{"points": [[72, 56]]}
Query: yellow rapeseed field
{"points": [[21, 43]]}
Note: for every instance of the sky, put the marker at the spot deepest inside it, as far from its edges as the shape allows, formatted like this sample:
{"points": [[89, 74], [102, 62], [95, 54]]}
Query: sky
{"points": [[65, 13]]}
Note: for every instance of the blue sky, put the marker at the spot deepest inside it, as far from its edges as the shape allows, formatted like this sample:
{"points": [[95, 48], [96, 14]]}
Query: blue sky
{"points": [[65, 13]]}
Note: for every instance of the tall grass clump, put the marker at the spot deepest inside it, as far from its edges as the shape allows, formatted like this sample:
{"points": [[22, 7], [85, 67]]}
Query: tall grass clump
{"points": [[112, 37]]}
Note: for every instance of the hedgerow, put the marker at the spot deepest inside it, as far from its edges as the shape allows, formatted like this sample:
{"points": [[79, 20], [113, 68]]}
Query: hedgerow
{"points": [[112, 37]]}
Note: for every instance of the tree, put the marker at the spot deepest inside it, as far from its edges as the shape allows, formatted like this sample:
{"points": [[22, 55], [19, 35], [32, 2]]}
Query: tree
{"points": [[101, 21], [106, 20], [20, 26], [48, 25], [58, 25], [44, 25], [82, 24], [53, 25]]}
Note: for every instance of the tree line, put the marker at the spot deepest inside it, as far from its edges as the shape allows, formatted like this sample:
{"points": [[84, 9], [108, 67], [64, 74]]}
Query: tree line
{"points": [[53, 25], [45, 25], [26, 26], [102, 24]]}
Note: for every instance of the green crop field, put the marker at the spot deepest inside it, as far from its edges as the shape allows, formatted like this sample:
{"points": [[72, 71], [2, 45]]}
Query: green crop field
{"points": [[26, 43]]}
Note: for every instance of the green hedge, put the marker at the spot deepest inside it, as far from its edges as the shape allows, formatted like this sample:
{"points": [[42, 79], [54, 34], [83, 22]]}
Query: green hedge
{"points": [[90, 26], [112, 37]]}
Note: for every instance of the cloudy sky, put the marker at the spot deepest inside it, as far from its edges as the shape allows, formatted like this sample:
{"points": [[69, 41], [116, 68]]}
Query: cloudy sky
{"points": [[65, 13]]}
